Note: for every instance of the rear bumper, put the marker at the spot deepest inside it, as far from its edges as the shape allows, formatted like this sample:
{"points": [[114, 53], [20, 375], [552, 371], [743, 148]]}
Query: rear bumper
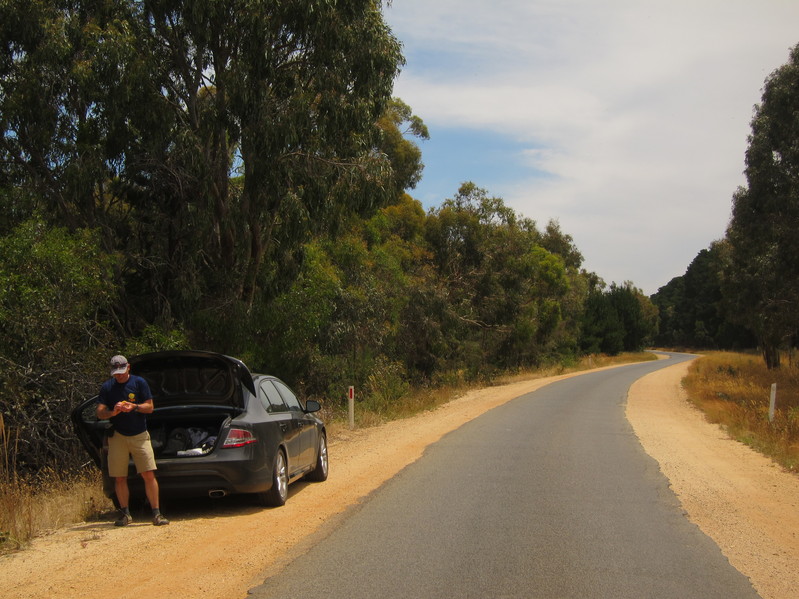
{"points": [[232, 471]]}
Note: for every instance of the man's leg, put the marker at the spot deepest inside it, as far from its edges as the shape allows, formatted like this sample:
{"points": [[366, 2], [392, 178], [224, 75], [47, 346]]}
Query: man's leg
{"points": [[122, 491], [123, 498], [151, 490], [142, 450], [118, 457]]}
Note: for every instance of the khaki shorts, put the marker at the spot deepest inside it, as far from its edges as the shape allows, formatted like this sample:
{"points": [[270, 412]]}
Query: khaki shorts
{"points": [[121, 447]]}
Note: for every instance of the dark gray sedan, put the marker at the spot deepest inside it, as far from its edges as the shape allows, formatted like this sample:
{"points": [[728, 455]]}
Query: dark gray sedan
{"points": [[217, 429]]}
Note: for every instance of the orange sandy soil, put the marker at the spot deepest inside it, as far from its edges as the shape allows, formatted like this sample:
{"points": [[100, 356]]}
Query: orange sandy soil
{"points": [[219, 550]]}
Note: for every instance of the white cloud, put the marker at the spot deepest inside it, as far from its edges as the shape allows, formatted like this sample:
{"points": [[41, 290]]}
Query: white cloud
{"points": [[639, 110]]}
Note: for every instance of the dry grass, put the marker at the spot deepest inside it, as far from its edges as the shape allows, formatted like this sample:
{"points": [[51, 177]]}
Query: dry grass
{"points": [[29, 508], [32, 506], [734, 389]]}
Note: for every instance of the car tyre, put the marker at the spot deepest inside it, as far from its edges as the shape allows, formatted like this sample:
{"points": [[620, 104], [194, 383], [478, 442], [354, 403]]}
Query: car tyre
{"points": [[319, 473], [277, 495]]}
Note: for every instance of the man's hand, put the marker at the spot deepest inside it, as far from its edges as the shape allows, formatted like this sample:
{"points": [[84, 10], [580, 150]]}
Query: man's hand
{"points": [[104, 412], [124, 406]]}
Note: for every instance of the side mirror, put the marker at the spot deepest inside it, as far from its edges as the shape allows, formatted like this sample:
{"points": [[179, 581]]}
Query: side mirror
{"points": [[312, 406]]}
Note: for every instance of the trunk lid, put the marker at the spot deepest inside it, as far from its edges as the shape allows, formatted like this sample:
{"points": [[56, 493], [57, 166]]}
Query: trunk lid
{"points": [[194, 378]]}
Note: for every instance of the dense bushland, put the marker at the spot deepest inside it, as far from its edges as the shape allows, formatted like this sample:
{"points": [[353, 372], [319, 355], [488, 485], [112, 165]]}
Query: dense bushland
{"points": [[399, 301], [232, 177]]}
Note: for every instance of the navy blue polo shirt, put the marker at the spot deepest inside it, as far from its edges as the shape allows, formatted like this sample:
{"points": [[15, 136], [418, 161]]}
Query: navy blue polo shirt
{"points": [[135, 390]]}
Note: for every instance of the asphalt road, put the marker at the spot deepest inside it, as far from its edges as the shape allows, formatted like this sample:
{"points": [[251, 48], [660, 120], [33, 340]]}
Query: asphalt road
{"points": [[550, 495]]}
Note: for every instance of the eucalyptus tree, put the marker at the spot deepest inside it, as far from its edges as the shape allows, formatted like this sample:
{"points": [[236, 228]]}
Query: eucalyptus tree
{"points": [[208, 139], [69, 85], [505, 292], [351, 307], [397, 124], [287, 94], [762, 279]]}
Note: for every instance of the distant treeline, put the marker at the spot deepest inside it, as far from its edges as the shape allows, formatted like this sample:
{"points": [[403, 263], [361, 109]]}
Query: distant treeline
{"points": [[692, 310]]}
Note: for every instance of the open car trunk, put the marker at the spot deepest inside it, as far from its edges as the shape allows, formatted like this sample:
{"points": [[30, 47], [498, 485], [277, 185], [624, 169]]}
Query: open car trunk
{"points": [[196, 394], [188, 433], [173, 433]]}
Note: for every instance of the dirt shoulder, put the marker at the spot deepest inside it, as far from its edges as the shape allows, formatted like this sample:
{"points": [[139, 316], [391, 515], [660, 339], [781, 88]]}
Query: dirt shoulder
{"points": [[745, 502], [221, 550]]}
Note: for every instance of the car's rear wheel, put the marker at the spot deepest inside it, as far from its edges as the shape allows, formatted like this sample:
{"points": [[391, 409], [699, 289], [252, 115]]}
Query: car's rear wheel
{"points": [[276, 496], [319, 473]]}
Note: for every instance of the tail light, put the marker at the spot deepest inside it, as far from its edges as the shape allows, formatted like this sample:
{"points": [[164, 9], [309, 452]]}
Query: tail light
{"points": [[238, 437]]}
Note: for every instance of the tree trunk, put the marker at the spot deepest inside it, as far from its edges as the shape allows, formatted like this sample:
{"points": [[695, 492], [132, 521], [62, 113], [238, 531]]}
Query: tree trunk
{"points": [[771, 355]]}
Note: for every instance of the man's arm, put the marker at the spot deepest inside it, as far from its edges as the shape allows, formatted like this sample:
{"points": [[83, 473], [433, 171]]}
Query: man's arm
{"points": [[145, 407], [104, 412]]}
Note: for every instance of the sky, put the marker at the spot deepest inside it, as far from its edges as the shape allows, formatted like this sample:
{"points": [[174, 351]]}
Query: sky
{"points": [[624, 120]]}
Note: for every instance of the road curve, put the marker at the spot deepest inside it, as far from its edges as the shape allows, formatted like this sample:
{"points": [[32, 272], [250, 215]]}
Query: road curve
{"points": [[549, 495]]}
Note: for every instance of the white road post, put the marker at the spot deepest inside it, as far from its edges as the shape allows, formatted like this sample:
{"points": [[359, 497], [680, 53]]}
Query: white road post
{"points": [[773, 402], [351, 402]]}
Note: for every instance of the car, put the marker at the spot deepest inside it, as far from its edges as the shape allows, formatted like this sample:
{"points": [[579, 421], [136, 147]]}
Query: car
{"points": [[217, 430]]}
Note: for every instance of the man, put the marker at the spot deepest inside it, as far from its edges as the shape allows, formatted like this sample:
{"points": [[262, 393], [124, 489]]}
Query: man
{"points": [[125, 399]]}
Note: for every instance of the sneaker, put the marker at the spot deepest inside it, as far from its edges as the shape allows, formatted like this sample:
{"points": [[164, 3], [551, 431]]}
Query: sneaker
{"points": [[159, 520], [124, 520]]}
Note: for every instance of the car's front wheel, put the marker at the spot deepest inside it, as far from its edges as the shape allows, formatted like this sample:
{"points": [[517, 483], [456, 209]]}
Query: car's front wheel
{"points": [[319, 473], [276, 496]]}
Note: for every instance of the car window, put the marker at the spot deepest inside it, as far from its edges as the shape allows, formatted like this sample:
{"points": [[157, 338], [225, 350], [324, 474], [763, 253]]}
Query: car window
{"points": [[288, 395], [272, 400]]}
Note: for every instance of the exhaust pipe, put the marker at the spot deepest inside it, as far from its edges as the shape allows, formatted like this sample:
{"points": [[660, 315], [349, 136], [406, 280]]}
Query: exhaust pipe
{"points": [[217, 493]]}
